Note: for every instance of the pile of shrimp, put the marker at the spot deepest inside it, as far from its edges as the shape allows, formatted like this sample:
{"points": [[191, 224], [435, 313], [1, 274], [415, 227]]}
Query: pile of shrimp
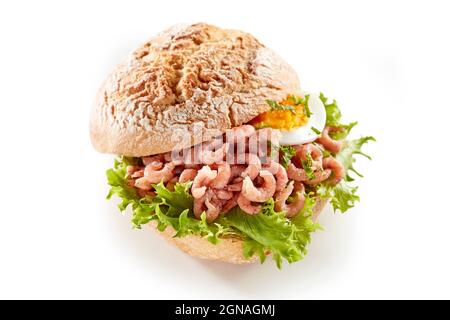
{"points": [[241, 169]]}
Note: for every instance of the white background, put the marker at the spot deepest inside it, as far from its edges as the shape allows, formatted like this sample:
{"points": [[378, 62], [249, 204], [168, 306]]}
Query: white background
{"points": [[387, 63]]}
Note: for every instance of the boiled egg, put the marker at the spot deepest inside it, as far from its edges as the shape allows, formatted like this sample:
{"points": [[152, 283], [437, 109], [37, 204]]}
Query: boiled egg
{"points": [[296, 124]]}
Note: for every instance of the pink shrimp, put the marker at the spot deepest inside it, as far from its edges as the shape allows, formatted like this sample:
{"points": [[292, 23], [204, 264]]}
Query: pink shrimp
{"points": [[294, 207], [268, 134], [235, 187], [227, 205], [193, 166], [330, 144], [258, 143], [254, 166], [138, 174], [155, 173], [154, 166], [174, 157], [145, 193], [236, 171], [214, 207], [203, 178], [188, 175], [315, 153], [223, 194], [199, 206], [247, 205], [208, 204], [239, 134], [279, 172], [143, 184], [319, 176], [223, 176], [149, 159], [296, 174], [135, 171], [263, 193], [336, 167], [152, 176], [190, 156], [171, 183], [209, 156]]}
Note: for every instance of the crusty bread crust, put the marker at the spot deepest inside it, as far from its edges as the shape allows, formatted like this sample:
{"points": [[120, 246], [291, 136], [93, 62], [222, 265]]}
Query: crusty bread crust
{"points": [[185, 86], [228, 250]]}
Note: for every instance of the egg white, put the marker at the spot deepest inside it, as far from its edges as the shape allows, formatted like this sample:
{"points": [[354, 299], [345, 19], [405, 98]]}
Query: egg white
{"points": [[305, 134]]}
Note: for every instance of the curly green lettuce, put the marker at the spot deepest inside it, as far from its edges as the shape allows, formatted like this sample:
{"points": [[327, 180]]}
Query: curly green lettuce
{"points": [[343, 195]]}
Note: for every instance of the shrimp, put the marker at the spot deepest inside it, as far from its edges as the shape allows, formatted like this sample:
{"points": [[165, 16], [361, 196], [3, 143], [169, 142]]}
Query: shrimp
{"points": [[239, 134], [193, 166], [143, 184], [330, 144], [296, 174], [310, 150], [319, 176], [336, 168], [268, 134], [174, 157], [191, 156], [258, 143], [263, 193], [223, 176], [227, 205], [254, 166], [209, 157], [132, 169], [135, 172], [199, 206], [138, 174], [294, 207], [236, 171], [156, 172], [213, 209], [279, 172], [224, 194], [247, 206], [188, 175], [154, 166], [149, 159], [208, 204], [203, 178], [145, 193], [171, 183], [235, 187]]}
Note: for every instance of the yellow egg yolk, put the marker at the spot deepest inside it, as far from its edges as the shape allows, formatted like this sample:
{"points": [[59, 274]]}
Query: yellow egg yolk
{"points": [[282, 119]]}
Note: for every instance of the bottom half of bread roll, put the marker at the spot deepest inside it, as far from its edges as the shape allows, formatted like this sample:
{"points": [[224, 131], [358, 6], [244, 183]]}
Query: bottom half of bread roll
{"points": [[229, 249]]}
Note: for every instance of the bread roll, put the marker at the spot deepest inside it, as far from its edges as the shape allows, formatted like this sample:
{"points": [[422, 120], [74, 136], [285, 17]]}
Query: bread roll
{"points": [[228, 250], [185, 86]]}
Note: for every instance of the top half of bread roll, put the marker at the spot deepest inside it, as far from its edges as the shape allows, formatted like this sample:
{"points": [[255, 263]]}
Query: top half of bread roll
{"points": [[185, 86]]}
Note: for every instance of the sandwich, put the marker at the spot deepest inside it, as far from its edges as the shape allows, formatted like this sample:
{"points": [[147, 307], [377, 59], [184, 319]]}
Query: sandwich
{"points": [[219, 149]]}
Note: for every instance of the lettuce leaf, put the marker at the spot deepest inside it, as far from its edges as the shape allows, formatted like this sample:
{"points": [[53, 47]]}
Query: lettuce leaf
{"points": [[334, 119], [270, 231], [351, 148], [343, 196], [117, 180]]}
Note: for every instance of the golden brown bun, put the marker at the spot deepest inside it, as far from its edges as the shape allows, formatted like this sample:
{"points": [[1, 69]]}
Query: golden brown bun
{"points": [[190, 82], [228, 250]]}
